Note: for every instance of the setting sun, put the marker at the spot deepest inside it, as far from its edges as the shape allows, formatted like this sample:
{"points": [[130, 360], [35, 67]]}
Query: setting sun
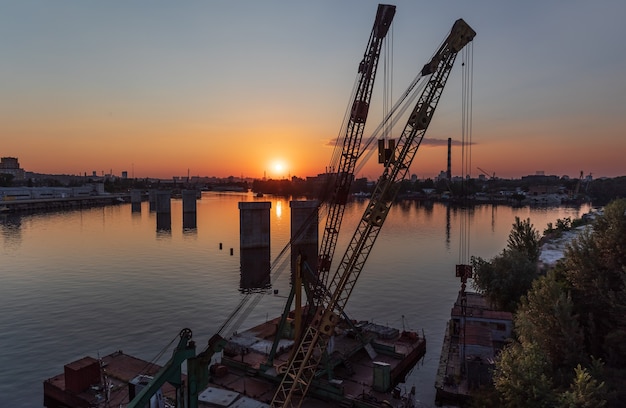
{"points": [[278, 169]]}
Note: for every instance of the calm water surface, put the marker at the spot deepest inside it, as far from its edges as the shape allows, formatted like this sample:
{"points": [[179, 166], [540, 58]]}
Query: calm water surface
{"points": [[94, 281]]}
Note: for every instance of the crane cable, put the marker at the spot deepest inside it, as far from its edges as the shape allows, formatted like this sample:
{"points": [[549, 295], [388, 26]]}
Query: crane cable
{"points": [[243, 309], [466, 165], [252, 299], [466, 147], [241, 312], [398, 109], [338, 148], [388, 83], [414, 89], [146, 367], [407, 98], [279, 264]]}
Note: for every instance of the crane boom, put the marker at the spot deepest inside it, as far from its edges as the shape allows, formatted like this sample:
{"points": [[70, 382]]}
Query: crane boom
{"points": [[352, 140], [198, 365], [171, 372], [197, 372], [486, 173], [313, 343]]}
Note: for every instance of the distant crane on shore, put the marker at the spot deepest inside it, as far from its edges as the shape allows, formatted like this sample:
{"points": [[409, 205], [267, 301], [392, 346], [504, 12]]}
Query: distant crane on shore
{"points": [[491, 176]]}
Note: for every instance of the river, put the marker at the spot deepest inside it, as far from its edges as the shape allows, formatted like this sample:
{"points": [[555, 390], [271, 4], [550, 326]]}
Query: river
{"points": [[93, 281]]}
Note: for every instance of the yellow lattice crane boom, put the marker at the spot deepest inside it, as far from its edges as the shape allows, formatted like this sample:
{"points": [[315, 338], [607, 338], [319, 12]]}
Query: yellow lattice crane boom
{"points": [[313, 343]]}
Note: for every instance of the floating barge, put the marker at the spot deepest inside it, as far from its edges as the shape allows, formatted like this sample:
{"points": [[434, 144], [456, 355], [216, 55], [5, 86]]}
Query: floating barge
{"points": [[470, 345], [90, 382], [241, 377]]}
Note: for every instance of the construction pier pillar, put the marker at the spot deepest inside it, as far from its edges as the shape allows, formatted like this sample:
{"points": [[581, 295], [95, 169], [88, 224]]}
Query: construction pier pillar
{"points": [[254, 243], [189, 209], [304, 233], [152, 198], [135, 200], [164, 210]]}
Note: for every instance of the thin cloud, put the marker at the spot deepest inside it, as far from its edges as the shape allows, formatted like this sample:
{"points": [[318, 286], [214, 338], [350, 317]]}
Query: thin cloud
{"points": [[443, 142]]}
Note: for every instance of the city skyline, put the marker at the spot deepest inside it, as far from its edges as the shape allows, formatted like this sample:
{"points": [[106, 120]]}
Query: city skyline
{"points": [[125, 174], [250, 89]]}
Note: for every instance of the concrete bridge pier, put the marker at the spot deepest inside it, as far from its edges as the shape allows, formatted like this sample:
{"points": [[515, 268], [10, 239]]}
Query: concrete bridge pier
{"points": [[152, 198], [189, 210], [304, 233], [164, 210], [254, 243], [135, 200]]}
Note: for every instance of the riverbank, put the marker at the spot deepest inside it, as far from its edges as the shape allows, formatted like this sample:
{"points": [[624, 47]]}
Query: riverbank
{"points": [[60, 203]]}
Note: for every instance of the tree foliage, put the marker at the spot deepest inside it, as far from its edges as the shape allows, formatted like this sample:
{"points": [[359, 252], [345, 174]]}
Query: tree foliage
{"points": [[570, 347], [509, 275], [524, 238], [585, 391], [520, 377], [595, 269], [505, 278], [546, 319]]}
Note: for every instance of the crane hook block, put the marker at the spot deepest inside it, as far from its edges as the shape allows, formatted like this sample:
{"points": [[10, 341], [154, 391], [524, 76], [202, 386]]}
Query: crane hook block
{"points": [[386, 154]]}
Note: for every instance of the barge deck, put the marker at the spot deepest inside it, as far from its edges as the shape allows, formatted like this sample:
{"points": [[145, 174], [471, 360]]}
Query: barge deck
{"points": [[241, 377], [472, 341]]}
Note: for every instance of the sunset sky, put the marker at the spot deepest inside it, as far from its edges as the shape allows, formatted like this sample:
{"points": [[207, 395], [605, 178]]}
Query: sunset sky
{"points": [[221, 88]]}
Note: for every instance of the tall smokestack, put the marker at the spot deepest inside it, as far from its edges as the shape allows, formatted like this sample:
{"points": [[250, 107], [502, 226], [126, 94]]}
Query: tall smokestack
{"points": [[449, 172]]}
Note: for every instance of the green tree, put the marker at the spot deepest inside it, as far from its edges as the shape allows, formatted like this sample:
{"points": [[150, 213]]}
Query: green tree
{"points": [[524, 238], [543, 366], [509, 275], [520, 377], [584, 392], [546, 319], [568, 321], [595, 268], [505, 278]]}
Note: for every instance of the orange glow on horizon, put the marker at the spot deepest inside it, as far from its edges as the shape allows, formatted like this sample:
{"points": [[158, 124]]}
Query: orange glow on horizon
{"points": [[274, 147]]}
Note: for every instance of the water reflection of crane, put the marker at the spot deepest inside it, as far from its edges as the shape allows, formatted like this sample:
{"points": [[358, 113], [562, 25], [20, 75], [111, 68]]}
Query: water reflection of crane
{"points": [[448, 226], [490, 176]]}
